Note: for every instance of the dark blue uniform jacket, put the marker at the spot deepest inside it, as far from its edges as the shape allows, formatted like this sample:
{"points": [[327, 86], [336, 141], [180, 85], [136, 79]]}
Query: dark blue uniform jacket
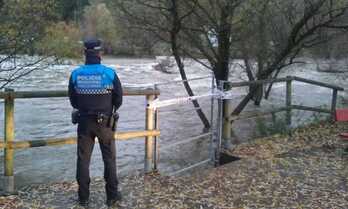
{"points": [[95, 88]]}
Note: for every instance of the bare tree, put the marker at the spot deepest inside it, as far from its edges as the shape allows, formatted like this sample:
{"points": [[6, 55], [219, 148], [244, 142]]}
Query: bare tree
{"points": [[285, 29], [269, 35], [22, 26], [165, 19]]}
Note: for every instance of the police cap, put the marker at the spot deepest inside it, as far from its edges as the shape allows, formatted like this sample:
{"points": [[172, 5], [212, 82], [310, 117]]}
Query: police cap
{"points": [[92, 44]]}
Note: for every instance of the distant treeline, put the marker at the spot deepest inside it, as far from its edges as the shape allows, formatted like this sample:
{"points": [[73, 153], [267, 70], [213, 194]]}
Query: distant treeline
{"points": [[56, 27], [268, 36]]}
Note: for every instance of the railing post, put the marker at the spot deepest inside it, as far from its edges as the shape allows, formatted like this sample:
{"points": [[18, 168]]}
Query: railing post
{"points": [[149, 140], [219, 126], [156, 143], [227, 125], [212, 130], [333, 104], [288, 101], [9, 187]]}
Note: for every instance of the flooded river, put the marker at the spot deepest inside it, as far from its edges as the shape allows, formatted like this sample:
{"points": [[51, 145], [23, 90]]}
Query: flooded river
{"points": [[50, 118]]}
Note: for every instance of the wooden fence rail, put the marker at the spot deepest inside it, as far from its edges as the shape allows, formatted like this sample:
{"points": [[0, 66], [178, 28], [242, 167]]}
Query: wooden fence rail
{"points": [[48, 94], [289, 106], [9, 144], [281, 80], [151, 131], [119, 136]]}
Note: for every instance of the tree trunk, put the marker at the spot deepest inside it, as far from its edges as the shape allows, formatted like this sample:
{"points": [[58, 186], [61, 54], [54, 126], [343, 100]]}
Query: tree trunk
{"points": [[240, 107], [269, 88], [221, 69], [187, 86], [261, 56], [258, 94], [176, 27]]}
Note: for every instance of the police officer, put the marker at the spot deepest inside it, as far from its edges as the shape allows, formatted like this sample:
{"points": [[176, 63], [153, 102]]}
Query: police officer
{"points": [[96, 92]]}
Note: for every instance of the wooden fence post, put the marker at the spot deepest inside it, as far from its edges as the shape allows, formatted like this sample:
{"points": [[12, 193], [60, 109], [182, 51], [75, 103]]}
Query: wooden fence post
{"points": [[9, 187], [333, 104], [149, 140], [156, 139], [288, 102], [227, 125], [219, 126], [226, 122]]}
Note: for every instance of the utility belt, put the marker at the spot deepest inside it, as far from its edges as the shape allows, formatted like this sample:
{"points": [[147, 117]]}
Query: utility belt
{"points": [[98, 116]]}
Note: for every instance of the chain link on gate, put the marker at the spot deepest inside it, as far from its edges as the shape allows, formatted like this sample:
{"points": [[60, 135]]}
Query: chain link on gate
{"points": [[215, 133]]}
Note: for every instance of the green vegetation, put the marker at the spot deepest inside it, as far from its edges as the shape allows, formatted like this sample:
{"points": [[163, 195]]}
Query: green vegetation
{"points": [[260, 29], [98, 22], [277, 125], [142, 27], [61, 40], [70, 10], [23, 24], [267, 35], [317, 118]]}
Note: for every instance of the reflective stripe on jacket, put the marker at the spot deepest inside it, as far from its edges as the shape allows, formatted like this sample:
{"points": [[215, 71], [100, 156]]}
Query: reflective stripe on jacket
{"points": [[95, 88]]}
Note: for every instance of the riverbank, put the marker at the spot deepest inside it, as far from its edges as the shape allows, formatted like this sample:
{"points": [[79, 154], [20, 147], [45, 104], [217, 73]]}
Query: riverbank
{"points": [[308, 170]]}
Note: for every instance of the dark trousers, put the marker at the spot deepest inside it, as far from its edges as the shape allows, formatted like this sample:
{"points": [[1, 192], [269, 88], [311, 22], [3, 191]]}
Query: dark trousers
{"points": [[87, 130]]}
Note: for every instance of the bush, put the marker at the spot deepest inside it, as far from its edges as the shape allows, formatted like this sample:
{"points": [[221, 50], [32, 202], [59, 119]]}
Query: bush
{"points": [[23, 24], [265, 127], [61, 40], [98, 22], [278, 125]]}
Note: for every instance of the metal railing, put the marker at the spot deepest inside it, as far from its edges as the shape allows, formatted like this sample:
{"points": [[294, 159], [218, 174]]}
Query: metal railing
{"points": [[10, 145], [206, 134]]}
